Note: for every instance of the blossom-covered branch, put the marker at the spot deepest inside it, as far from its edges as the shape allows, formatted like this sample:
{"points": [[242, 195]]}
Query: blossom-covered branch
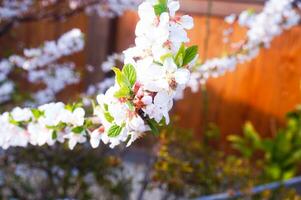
{"points": [[39, 66], [276, 17]]}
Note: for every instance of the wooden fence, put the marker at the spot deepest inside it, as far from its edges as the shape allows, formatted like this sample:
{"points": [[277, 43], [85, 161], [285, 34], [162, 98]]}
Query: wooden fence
{"points": [[261, 91]]}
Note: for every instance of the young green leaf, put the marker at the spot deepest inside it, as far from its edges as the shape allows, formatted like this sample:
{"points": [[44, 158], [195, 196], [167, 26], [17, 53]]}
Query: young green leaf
{"points": [[106, 107], [162, 58], [78, 129], [122, 92], [190, 54], [180, 55], [114, 131], [72, 107], [161, 7], [108, 117], [179, 61], [54, 134], [130, 73], [121, 78], [13, 121], [158, 63], [37, 113]]}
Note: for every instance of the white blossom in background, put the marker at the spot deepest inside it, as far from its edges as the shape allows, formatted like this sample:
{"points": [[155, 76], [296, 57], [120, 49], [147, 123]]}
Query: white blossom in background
{"points": [[112, 61], [13, 8], [6, 90], [40, 67], [109, 8], [6, 86], [100, 87], [5, 69], [55, 78], [69, 43]]}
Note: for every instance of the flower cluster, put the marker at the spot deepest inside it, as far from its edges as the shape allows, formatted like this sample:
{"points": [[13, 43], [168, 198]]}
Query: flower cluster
{"points": [[156, 70], [45, 125]]}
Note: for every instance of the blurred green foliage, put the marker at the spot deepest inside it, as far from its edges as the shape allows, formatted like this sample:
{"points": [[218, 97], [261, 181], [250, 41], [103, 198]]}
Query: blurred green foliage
{"points": [[281, 153]]}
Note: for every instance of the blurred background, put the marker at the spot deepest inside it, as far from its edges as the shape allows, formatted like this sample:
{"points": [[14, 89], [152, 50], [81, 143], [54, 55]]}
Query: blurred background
{"points": [[215, 141]]}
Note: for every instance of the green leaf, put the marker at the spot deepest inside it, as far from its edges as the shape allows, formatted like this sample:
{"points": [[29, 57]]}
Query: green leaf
{"points": [[179, 60], [190, 54], [106, 107], [54, 135], [288, 174], [122, 92], [180, 55], [273, 171], [107, 114], [78, 129], [37, 113], [13, 121], [153, 126], [158, 63], [130, 73], [93, 104], [251, 135], [58, 127], [69, 107], [72, 107], [88, 124], [108, 117], [161, 7], [162, 58], [121, 78], [114, 131]]}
